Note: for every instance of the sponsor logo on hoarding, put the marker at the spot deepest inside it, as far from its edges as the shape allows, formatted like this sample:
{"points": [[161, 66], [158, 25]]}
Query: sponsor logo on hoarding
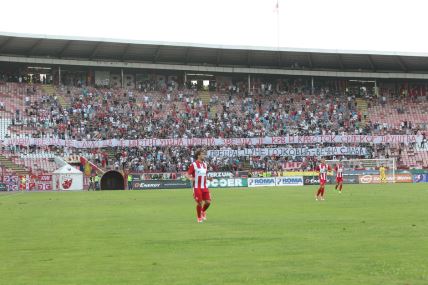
{"points": [[366, 179], [231, 182], [138, 185], [289, 181], [375, 179], [221, 174], [160, 184], [258, 182], [350, 179], [418, 178], [315, 180], [45, 177]]}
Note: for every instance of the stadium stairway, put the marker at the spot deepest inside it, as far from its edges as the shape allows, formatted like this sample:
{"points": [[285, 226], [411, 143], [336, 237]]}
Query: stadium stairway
{"points": [[205, 97], [214, 110], [51, 91], [48, 89], [64, 101], [9, 164], [362, 107], [246, 165]]}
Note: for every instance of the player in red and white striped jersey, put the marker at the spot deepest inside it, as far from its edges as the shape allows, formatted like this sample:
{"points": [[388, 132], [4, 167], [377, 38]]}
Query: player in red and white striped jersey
{"points": [[339, 176], [197, 173], [323, 170]]}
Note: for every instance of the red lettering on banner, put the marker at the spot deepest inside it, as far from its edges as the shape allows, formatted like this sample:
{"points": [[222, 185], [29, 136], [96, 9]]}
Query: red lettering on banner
{"points": [[354, 139], [134, 143], [368, 139], [144, 142], [45, 177], [228, 141], [244, 141], [328, 139], [179, 142], [411, 139], [197, 141], [166, 142], [307, 139], [278, 140], [385, 139], [87, 144], [188, 142], [345, 139]]}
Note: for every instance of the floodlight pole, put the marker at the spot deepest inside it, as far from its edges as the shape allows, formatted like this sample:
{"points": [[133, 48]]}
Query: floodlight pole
{"points": [[277, 24], [249, 83], [312, 86], [59, 75], [121, 74]]}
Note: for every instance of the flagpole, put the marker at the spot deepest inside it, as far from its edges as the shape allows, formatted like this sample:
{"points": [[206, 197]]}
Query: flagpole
{"points": [[277, 24]]}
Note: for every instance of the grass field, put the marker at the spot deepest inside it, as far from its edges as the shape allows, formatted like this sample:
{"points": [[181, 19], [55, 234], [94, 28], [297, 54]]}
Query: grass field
{"points": [[372, 234]]}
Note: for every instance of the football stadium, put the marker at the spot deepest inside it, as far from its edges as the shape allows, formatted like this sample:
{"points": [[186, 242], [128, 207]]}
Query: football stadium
{"points": [[164, 162]]}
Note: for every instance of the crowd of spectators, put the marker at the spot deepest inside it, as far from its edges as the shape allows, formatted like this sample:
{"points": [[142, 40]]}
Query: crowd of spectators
{"points": [[168, 110]]}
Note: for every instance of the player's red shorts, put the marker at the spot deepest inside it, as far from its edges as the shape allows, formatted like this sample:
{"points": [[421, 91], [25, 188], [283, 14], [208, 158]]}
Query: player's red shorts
{"points": [[339, 179], [200, 195], [323, 182]]}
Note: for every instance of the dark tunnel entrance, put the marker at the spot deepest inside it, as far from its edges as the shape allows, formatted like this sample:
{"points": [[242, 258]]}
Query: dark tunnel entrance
{"points": [[112, 180]]}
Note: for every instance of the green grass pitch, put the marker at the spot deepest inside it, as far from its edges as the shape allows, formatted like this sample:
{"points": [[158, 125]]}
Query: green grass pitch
{"points": [[370, 234]]}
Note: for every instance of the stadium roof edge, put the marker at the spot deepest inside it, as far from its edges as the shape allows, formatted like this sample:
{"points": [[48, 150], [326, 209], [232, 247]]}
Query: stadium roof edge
{"points": [[20, 48], [213, 46]]}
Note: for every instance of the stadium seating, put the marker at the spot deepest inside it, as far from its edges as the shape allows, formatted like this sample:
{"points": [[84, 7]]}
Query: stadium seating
{"points": [[69, 112]]}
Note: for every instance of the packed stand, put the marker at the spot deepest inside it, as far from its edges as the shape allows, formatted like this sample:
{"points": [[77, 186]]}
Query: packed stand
{"points": [[167, 111]]}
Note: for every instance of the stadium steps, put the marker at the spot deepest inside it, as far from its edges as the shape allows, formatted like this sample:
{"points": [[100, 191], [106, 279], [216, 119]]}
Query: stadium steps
{"points": [[51, 91], [246, 165], [64, 102], [205, 96], [9, 164], [362, 107], [111, 155], [214, 109], [48, 89]]}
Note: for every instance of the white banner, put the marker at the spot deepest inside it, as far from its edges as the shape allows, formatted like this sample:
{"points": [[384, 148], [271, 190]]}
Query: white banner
{"points": [[288, 151], [347, 139]]}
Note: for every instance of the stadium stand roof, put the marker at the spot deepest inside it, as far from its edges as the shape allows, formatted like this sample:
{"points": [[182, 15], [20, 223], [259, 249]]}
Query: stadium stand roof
{"points": [[64, 50]]}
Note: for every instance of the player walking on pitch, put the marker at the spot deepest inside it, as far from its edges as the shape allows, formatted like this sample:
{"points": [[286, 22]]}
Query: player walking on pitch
{"points": [[339, 176], [197, 173], [323, 170]]}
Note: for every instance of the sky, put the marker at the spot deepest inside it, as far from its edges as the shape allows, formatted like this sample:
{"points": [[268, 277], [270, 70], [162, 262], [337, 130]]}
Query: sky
{"points": [[375, 25]]}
